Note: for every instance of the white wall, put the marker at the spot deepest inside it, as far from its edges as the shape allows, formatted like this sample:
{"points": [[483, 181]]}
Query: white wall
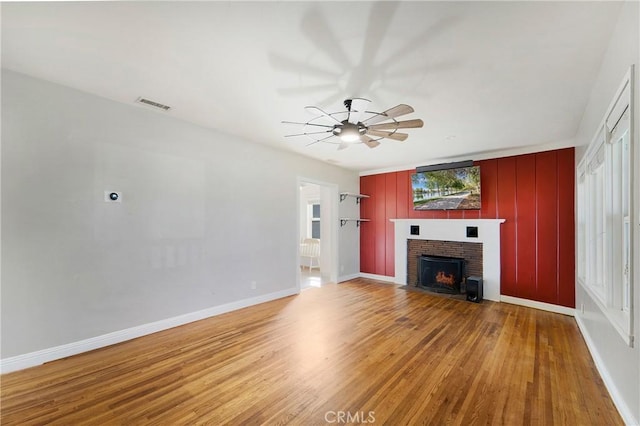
{"points": [[618, 363], [203, 214], [327, 231]]}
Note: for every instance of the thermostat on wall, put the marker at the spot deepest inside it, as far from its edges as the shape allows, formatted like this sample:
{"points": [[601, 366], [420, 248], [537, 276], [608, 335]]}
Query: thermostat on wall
{"points": [[112, 196]]}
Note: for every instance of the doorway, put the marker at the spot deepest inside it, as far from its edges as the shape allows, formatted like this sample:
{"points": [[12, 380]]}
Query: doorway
{"points": [[317, 233]]}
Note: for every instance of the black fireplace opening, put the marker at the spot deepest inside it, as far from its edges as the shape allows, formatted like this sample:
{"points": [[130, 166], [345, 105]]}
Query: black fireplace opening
{"points": [[440, 274]]}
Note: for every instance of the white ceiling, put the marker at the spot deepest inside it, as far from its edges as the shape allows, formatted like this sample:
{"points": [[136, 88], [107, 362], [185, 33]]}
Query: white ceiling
{"points": [[484, 77]]}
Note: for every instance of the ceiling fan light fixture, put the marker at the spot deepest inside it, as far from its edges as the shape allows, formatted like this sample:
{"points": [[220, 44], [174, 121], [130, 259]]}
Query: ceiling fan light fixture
{"points": [[348, 132], [350, 135]]}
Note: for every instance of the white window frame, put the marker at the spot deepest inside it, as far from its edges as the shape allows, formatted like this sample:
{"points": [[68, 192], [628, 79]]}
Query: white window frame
{"points": [[605, 203], [311, 219]]}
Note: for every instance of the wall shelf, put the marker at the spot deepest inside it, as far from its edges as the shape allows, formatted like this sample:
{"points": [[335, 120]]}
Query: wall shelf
{"points": [[344, 220], [358, 197]]}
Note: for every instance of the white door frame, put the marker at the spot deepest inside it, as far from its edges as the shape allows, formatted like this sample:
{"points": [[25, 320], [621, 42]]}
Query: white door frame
{"points": [[333, 243]]}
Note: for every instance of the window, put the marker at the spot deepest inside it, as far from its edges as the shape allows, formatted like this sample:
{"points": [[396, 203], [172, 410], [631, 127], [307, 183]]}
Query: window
{"points": [[621, 215], [604, 216], [582, 225], [314, 220]]}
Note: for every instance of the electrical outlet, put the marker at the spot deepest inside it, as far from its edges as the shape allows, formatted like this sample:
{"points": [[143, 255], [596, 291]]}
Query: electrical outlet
{"points": [[254, 285]]}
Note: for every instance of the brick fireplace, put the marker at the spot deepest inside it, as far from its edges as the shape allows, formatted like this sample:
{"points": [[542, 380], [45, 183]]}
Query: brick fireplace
{"points": [[470, 252], [444, 233]]}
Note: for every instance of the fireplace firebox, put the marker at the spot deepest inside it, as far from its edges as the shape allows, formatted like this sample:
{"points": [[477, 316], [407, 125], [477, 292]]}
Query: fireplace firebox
{"points": [[440, 274]]}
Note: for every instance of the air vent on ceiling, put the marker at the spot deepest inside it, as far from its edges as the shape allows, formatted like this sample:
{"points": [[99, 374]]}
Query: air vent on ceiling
{"points": [[153, 104]]}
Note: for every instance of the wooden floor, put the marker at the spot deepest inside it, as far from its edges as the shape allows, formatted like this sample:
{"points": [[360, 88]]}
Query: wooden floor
{"points": [[354, 352]]}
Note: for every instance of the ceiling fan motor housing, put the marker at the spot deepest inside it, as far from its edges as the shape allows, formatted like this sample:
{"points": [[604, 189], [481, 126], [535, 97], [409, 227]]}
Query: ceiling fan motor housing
{"points": [[348, 131]]}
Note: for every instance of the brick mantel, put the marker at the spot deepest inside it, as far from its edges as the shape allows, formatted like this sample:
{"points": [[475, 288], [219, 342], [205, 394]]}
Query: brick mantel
{"points": [[453, 230]]}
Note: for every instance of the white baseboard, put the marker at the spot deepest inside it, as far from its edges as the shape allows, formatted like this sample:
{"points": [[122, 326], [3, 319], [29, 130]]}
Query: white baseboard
{"points": [[609, 383], [507, 299], [32, 359], [344, 278], [390, 280], [538, 305]]}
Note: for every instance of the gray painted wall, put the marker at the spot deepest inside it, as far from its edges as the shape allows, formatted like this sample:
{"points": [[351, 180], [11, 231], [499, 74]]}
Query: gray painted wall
{"points": [[203, 214], [621, 363]]}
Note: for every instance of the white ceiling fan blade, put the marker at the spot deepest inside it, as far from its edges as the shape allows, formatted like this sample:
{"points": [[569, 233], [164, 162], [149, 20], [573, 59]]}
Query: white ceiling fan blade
{"points": [[390, 135], [313, 108], [408, 124], [369, 142], [357, 110], [306, 124], [320, 140], [307, 133], [394, 112]]}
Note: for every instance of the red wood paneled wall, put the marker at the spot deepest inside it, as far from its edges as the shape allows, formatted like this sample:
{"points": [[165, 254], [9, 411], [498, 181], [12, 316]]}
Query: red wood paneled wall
{"points": [[534, 193]]}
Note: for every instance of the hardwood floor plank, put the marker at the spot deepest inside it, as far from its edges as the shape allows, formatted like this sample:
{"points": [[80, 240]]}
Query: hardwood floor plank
{"points": [[360, 348]]}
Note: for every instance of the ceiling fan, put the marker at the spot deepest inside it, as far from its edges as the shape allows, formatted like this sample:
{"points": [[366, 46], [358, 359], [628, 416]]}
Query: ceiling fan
{"points": [[357, 125]]}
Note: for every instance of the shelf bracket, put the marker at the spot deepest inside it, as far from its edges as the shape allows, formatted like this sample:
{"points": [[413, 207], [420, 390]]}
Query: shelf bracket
{"points": [[343, 197], [343, 222]]}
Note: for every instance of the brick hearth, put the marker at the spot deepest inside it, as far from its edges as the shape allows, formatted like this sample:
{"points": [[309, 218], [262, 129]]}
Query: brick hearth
{"points": [[471, 252]]}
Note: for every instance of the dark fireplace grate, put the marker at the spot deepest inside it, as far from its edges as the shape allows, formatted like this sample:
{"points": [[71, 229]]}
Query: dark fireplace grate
{"points": [[440, 274]]}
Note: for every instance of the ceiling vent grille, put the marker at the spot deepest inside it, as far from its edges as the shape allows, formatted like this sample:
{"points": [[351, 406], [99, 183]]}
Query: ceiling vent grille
{"points": [[153, 104]]}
